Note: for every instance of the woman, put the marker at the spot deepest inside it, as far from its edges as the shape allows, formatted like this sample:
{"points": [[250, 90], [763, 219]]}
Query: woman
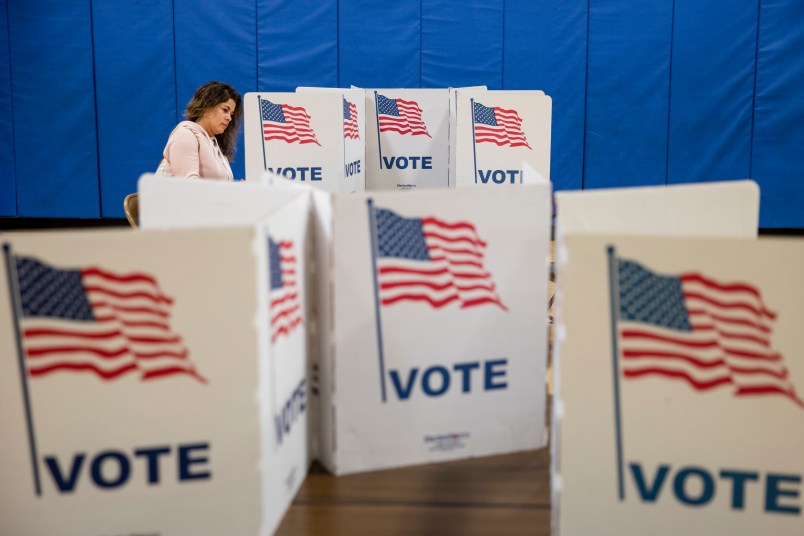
{"points": [[203, 146]]}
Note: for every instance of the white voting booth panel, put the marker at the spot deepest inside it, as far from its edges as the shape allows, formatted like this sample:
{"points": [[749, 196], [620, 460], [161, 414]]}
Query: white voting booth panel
{"points": [[436, 348], [176, 202], [680, 387], [496, 131], [150, 392], [705, 209], [315, 137], [407, 139]]}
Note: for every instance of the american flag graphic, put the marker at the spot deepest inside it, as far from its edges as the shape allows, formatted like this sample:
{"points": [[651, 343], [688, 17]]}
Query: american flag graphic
{"points": [[693, 328], [350, 128], [290, 124], [498, 126], [97, 321], [285, 306], [402, 116], [431, 260]]}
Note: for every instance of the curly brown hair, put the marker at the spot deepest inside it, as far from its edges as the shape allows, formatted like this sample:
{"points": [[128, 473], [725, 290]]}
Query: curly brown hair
{"points": [[207, 97]]}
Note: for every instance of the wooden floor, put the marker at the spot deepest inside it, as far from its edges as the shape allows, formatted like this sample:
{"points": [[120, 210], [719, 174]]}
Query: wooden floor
{"points": [[497, 495]]}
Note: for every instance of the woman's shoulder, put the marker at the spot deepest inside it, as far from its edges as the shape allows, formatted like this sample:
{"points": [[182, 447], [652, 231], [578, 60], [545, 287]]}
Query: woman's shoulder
{"points": [[188, 131], [191, 126]]}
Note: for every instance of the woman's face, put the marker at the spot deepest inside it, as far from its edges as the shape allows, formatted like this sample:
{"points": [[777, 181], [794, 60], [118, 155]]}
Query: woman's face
{"points": [[216, 119]]}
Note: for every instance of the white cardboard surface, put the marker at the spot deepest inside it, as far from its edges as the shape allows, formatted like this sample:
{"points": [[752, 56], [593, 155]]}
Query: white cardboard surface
{"points": [[204, 466], [707, 209], [711, 460], [174, 202], [416, 156], [496, 159], [381, 413], [314, 149]]}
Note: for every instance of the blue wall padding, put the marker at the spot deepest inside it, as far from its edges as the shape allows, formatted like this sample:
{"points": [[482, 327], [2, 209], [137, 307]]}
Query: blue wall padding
{"points": [[216, 41], [778, 142], [643, 92], [462, 43], [627, 93], [297, 44], [379, 44], [8, 185], [545, 48], [136, 93], [711, 90], [53, 95]]}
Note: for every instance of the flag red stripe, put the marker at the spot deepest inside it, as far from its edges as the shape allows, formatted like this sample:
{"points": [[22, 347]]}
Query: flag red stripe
{"points": [[730, 287], [105, 354], [279, 301], [127, 278], [285, 329], [768, 390], [753, 355], [728, 320], [124, 309], [454, 239], [697, 384], [421, 271], [174, 339], [285, 313], [450, 252], [33, 332], [181, 355], [428, 284], [780, 374], [105, 374], [726, 305], [638, 354], [481, 301], [420, 297], [171, 371], [731, 334], [128, 295], [639, 334], [449, 225]]}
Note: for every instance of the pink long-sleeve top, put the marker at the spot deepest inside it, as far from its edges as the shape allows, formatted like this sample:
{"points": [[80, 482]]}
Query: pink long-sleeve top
{"points": [[191, 152]]}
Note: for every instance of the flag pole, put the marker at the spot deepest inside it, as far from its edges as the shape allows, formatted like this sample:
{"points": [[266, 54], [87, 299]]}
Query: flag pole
{"points": [[377, 115], [614, 292], [374, 254], [262, 135], [13, 283], [343, 129], [474, 141]]}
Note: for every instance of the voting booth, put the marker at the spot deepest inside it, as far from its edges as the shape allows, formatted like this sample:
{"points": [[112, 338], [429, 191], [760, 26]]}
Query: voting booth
{"points": [[496, 131], [407, 139], [436, 345], [315, 137], [153, 382], [678, 372], [681, 381]]}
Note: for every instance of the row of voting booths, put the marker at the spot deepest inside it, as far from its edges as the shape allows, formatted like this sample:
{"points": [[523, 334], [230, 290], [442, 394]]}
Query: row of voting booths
{"points": [[346, 141], [183, 377]]}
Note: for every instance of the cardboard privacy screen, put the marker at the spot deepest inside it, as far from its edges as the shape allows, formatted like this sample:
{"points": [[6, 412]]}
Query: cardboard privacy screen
{"points": [[407, 139], [496, 131], [680, 386], [175, 202], [147, 384], [705, 209], [436, 346], [314, 137]]}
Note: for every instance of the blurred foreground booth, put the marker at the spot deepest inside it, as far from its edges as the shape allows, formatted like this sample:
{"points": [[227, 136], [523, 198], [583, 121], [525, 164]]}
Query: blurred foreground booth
{"points": [[678, 365]]}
